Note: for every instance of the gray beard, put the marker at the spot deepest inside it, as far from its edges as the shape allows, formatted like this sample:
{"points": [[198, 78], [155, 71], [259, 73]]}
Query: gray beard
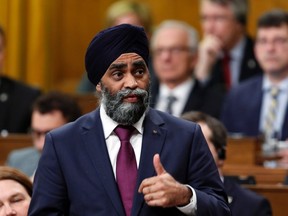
{"points": [[122, 112]]}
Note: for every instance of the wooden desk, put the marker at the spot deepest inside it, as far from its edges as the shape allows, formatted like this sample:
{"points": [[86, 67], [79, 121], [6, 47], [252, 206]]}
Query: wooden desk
{"points": [[243, 151], [276, 194], [11, 142], [262, 175]]}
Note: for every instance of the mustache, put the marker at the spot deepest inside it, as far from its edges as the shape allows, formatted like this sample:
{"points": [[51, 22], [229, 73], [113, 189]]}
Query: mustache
{"points": [[126, 92]]}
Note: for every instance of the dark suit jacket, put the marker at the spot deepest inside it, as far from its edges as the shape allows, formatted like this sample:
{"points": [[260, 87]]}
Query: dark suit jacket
{"points": [[75, 176], [16, 101], [249, 65], [201, 98], [242, 106], [245, 202]]}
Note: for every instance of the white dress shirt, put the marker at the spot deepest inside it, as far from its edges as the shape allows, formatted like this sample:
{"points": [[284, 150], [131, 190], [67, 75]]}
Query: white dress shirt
{"points": [[281, 108], [113, 146], [181, 92]]}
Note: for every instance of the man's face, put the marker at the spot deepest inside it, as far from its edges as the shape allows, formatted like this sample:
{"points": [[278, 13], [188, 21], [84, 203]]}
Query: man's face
{"points": [[43, 123], [219, 21], [125, 89], [173, 60], [13, 198], [271, 50]]}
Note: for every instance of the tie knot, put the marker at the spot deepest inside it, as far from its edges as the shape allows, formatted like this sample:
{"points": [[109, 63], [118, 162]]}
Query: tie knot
{"points": [[171, 98], [274, 91], [124, 132], [226, 56]]}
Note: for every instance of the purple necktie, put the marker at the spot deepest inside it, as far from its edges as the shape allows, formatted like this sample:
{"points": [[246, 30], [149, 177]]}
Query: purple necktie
{"points": [[126, 167]]}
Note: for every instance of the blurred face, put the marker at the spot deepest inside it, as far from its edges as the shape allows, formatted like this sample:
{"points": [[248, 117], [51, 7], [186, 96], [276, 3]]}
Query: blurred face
{"points": [[173, 60], [219, 21], [14, 199], [2, 54], [125, 89], [271, 50], [43, 123]]}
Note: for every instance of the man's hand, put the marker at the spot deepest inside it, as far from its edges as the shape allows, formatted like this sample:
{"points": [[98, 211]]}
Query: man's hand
{"points": [[208, 51], [163, 190]]}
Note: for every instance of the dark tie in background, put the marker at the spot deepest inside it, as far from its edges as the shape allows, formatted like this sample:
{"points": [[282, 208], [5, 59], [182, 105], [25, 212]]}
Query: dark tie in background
{"points": [[226, 70], [170, 101], [126, 167]]}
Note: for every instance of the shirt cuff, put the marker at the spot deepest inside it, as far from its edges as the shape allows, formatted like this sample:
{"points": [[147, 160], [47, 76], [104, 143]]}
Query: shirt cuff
{"points": [[191, 208]]}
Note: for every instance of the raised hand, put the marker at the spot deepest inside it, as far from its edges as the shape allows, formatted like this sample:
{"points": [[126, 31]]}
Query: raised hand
{"points": [[163, 190]]}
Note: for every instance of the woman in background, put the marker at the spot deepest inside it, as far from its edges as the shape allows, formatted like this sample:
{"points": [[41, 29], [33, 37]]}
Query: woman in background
{"points": [[16, 192]]}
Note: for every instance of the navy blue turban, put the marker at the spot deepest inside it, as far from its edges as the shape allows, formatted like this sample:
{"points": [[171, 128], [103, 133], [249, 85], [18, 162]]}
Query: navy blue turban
{"points": [[109, 44]]}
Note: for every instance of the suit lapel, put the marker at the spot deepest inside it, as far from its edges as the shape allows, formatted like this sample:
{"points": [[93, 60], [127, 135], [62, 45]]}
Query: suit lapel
{"points": [[95, 145], [284, 133], [195, 98], [153, 140]]}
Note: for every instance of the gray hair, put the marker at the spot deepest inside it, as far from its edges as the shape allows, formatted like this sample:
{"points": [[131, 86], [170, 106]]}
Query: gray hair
{"points": [[239, 8], [191, 32]]}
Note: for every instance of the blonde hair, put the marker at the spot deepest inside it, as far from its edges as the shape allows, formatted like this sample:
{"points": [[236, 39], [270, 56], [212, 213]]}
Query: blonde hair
{"points": [[122, 7]]}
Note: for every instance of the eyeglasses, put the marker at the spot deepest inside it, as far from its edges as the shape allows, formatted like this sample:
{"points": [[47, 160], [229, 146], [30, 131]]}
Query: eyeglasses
{"points": [[177, 50], [278, 41], [37, 133]]}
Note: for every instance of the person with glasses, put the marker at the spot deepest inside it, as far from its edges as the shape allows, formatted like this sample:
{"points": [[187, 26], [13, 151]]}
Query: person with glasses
{"points": [[259, 106], [174, 52], [50, 111], [226, 54]]}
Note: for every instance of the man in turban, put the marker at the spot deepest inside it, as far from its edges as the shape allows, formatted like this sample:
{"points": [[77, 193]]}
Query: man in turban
{"points": [[125, 158]]}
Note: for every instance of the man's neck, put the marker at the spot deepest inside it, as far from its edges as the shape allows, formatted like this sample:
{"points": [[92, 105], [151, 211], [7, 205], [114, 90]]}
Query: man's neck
{"points": [[171, 84]]}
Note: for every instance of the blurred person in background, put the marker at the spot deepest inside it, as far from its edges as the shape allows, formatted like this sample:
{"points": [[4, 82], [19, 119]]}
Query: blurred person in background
{"points": [[259, 106], [226, 54], [50, 111], [16, 192], [16, 99], [174, 52], [241, 201]]}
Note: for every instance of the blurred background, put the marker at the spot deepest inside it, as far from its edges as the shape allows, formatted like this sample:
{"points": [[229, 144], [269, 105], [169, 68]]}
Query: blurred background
{"points": [[47, 39]]}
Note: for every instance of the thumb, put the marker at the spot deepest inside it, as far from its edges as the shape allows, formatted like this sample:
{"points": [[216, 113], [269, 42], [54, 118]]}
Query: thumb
{"points": [[158, 165]]}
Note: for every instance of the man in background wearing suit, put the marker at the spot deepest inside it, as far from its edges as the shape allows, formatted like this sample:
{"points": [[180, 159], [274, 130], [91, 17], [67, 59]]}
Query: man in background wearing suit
{"points": [[226, 52], [15, 99], [125, 158], [249, 107], [174, 50], [241, 201], [51, 110]]}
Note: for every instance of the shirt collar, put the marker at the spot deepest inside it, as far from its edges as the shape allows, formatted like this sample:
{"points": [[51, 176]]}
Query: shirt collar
{"points": [[109, 124], [165, 91], [283, 85]]}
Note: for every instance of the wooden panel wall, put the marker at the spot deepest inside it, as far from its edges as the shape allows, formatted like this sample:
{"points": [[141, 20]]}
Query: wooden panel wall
{"points": [[74, 22]]}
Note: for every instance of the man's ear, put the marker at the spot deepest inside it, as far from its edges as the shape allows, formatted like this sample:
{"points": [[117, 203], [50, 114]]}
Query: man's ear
{"points": [[98, 87]]}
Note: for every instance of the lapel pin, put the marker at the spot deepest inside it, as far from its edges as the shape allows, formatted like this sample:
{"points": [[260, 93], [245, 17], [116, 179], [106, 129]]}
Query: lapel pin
{"points": [[154, 131]]}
